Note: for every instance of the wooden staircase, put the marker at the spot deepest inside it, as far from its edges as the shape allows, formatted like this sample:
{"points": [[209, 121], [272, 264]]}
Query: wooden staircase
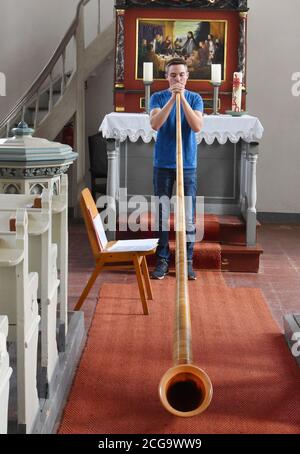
{"points": [[223, 246], [57, 96], [54, 96]]}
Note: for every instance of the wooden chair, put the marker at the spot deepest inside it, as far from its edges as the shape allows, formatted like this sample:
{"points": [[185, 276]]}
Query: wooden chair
{"points": [[120, 256]]}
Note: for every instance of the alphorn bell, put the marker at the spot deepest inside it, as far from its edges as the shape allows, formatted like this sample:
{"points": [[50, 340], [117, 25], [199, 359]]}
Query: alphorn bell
{"points": [[185, 389]]}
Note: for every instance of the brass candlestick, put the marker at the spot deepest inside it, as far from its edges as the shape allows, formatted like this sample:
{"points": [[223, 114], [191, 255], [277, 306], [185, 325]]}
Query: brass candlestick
{"points": [[147, 96]]}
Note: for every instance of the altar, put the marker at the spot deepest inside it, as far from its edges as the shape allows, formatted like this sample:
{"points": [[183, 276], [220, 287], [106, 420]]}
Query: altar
{"points": [[227, 158]]}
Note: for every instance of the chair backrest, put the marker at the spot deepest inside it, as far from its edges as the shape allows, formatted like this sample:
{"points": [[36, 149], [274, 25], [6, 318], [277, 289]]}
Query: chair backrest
{"points": [[93, 222], [98, 155]]}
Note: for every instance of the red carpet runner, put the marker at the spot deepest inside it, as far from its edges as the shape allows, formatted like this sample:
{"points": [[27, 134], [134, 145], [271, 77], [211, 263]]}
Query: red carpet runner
{"points": [[235, 340]]}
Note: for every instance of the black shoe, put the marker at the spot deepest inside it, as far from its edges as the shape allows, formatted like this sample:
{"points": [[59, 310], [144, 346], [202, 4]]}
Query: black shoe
{"points": [[162, 268], [191, 272]]}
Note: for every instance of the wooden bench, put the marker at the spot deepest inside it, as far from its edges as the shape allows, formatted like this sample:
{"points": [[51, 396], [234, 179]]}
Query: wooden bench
{"points": [[5, 373], [60, 237], [42, 259], [18, 300]]}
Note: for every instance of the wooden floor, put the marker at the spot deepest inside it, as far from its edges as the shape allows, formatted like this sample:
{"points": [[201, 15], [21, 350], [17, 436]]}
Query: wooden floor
{"points": [[278, 278]]}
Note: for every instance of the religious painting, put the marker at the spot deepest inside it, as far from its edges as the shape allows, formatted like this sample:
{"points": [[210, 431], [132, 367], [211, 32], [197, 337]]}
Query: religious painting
{"points": [[200, 43]]}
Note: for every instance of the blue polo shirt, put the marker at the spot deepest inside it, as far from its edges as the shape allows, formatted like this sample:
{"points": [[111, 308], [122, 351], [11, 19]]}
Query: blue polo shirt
{"points": [[165, 145]]}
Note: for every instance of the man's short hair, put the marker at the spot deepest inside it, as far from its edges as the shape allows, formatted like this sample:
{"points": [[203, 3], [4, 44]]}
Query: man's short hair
{"points": [[175, 61]]}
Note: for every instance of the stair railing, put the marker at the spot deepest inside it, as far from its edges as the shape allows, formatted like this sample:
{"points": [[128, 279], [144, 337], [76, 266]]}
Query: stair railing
{"points": [[39, 86]]}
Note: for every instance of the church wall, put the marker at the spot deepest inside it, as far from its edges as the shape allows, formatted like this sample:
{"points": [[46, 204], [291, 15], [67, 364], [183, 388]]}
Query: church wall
{"points": [[273, 58]]}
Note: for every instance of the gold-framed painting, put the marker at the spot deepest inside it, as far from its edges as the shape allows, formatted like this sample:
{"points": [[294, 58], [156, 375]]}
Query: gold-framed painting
{"points": [[200, 43]]}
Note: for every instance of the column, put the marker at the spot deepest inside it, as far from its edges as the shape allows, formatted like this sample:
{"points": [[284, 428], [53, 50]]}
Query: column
{"points": [[252, 156], [243, 176], [119, 71], [242, 46], [79, 170], [5, 373], [113, 148]]}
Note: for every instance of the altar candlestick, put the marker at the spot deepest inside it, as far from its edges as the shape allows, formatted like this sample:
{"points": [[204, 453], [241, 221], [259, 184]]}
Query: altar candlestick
{"points": [[148, 80], [216, 81]]}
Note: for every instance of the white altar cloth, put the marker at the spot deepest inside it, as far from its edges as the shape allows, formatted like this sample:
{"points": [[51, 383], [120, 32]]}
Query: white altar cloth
{"points": [[120, 126]]}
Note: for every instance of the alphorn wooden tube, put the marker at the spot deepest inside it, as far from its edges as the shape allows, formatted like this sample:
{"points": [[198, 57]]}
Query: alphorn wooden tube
{"points": [[185, 389]]}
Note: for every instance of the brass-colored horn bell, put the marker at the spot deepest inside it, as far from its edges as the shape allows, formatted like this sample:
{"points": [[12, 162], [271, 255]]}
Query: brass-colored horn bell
{"points": [[185, 390]]}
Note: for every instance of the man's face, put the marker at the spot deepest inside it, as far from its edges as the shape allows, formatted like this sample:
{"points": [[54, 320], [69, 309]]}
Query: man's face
{"points": [[177, 74]]}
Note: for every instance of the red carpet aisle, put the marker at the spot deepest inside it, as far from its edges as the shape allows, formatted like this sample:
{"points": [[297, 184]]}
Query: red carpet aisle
{"points": [[256, 382]]}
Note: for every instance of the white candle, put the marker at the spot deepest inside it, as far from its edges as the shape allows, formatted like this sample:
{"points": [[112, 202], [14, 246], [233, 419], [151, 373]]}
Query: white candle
{"points": [[148, 72], [237, 92], [216, 74]]}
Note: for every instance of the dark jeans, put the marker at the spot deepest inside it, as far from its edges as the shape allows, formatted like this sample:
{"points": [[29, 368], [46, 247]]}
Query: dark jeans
{"points": [[163, 181]]}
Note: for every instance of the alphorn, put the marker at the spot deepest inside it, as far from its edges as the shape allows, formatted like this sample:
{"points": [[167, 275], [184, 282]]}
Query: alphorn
{"points": [[185, 389]]}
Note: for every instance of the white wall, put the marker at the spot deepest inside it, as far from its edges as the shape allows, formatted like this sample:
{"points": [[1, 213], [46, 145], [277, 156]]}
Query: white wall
{"points": [[98, 102], [273, 56], [99, 87], [99, 96], [91, 17]]}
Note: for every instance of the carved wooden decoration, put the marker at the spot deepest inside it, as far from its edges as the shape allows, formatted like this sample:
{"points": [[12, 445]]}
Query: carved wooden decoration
{"points": [[237, 5], [242, 46], [119, 77]]}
